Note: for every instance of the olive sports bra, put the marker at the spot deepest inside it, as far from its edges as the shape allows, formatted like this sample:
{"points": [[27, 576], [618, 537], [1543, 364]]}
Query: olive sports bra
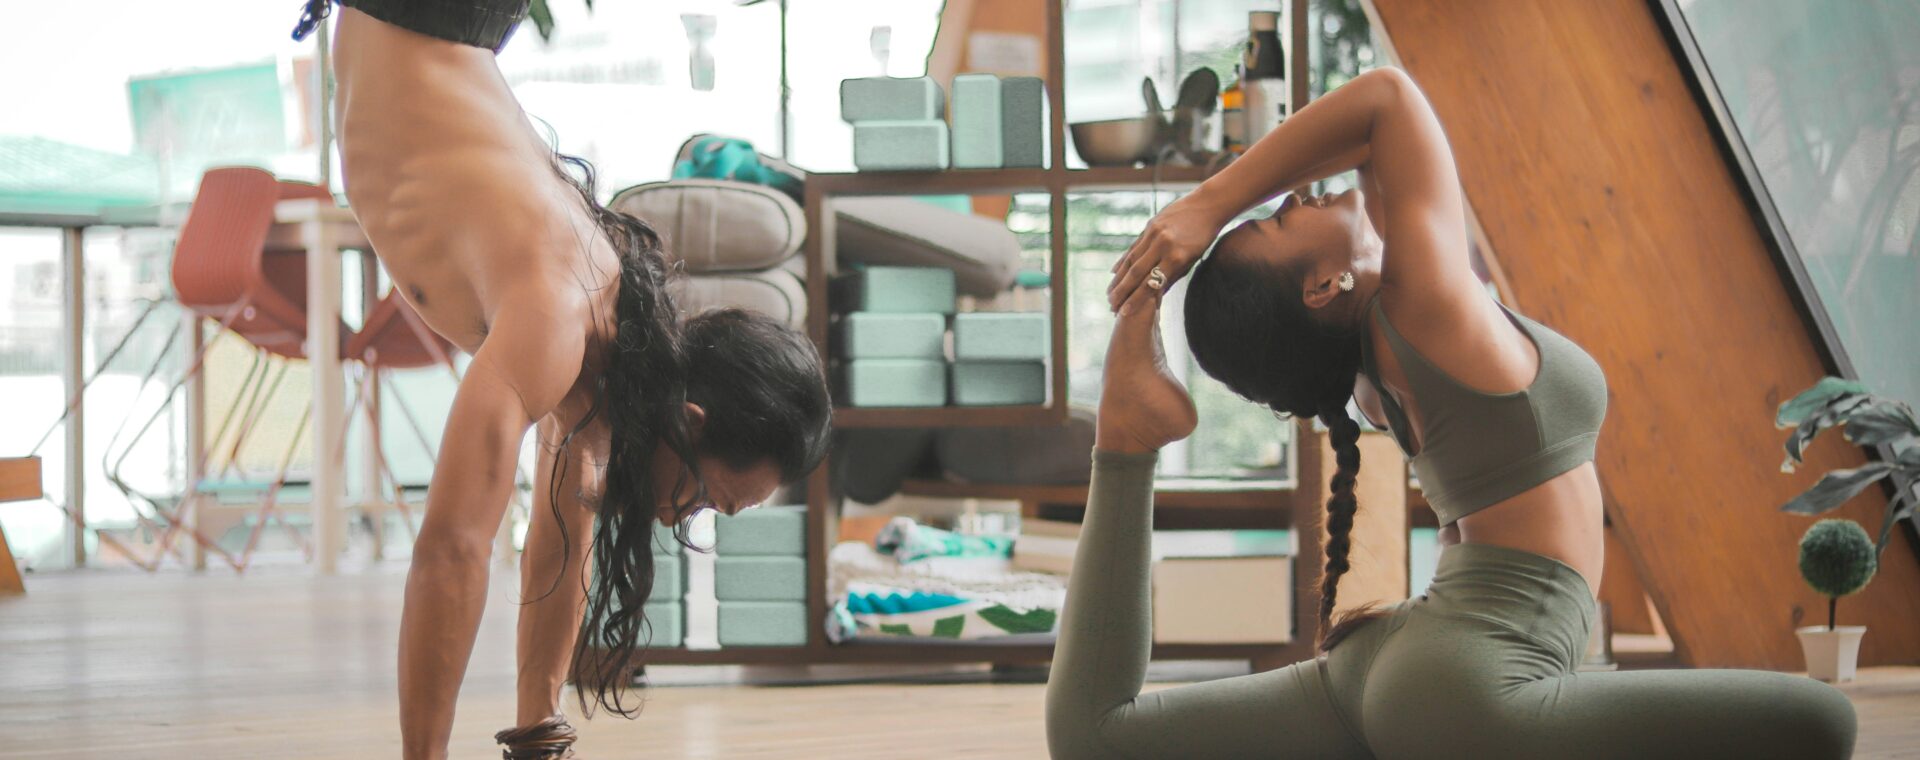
{"points": [[1479, 449]]}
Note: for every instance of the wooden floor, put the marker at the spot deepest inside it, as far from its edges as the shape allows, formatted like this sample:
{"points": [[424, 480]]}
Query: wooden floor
{"points": [[113, 664]]}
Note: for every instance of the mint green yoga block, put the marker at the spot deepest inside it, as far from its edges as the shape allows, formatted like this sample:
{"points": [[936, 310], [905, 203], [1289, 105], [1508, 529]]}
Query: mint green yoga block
{"points": [[891, 99], [759, 579], [893, 382], [976, 122], [999, 383], [875, 335], [763, 624], [1023, 121], [668, 622], [669, 577], [1000, 336], [663, 540], [920, 145], [762, 532], [896, 290]]}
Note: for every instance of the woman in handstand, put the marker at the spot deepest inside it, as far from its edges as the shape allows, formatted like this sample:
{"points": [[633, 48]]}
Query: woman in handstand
{"points": [[642, 416], [1368, 296]]}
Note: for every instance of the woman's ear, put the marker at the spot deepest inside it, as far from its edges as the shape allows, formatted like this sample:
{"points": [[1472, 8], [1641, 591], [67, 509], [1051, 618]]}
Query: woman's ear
{"points": [[696, 419], [1319, 291]]}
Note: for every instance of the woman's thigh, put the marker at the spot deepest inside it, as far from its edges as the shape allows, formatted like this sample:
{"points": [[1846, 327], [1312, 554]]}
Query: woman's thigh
{"points": [[1451, 688]]}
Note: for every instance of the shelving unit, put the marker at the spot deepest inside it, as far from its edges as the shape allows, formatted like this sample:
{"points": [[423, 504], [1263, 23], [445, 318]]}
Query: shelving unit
{"points": [[1276, 507]]}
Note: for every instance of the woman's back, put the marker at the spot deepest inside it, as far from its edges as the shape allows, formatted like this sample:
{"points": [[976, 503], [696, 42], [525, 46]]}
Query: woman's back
{"points": [[459, 196]]}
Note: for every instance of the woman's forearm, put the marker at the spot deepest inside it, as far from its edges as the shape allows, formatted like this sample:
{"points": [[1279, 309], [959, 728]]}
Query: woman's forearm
{"points": [[1329, 136]]}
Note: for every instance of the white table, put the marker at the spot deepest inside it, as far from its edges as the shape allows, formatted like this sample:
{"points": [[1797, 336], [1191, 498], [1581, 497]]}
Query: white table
{"points": [[323, 229]]}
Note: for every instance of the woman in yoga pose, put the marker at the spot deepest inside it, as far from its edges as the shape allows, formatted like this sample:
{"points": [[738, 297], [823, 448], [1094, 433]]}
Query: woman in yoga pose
{"points": [[563, 304], [1368, 296]]}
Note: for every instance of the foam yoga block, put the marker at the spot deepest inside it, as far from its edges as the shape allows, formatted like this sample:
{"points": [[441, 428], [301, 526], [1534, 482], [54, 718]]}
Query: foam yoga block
{"points": [[1022, 122], [669, 577], [891, 99], [999, 383], [1000, 336], [759, 579], [900, 145], [763, 624], [668, 621], [976, 122], [892, 382], [663, 540], [896, 290], [767, 531], [868, 335]]}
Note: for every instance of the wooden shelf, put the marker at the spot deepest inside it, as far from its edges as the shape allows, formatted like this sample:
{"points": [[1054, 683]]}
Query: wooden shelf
{"points": [[951, 181], [1006, 181], [1262, 506], [1140, 178], [948, 416], [1255, 495]]}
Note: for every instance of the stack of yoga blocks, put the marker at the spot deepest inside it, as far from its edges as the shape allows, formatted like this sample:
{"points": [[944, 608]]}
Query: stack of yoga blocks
{"points": [[900, 124], [891, 337], [891, 345], [666, 608], [760, 577], [999, 358]]}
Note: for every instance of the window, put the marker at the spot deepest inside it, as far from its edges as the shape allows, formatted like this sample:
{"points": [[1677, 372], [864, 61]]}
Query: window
{"points": [[1824, 100]]}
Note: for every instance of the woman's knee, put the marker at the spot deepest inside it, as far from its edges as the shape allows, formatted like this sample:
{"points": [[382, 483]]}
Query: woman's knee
{"points": [[1821, 716]]}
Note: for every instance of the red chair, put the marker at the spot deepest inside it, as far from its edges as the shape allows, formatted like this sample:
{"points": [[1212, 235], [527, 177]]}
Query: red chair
{"points": [[222, 270], [393, 338]]}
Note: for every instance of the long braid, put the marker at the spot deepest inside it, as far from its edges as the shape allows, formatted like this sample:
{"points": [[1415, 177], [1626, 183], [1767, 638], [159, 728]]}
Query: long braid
{"points": [[1344, 433]]}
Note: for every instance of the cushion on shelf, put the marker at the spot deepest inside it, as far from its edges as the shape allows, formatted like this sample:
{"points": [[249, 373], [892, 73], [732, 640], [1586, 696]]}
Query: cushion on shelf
{"points": [[718, 226], [982, 253], [779, 293]]}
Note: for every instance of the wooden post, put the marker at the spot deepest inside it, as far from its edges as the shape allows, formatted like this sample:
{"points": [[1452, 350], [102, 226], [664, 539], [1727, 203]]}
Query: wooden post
{"points": [[75, 324]]}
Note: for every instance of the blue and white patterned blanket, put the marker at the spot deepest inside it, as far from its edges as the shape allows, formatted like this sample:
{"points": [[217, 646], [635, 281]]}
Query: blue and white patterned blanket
{"points": [[953, 598]]}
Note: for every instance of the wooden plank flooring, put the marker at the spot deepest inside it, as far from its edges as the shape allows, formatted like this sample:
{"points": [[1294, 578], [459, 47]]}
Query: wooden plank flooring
{"points": [[113, 664]]}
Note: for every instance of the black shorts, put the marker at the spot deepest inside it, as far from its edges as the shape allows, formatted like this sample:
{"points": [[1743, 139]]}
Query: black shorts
{"points": [[480, 23]]}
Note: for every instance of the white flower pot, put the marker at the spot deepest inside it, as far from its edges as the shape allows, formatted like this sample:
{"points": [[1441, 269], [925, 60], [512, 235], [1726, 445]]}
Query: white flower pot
{"points": [[1831, 654]]}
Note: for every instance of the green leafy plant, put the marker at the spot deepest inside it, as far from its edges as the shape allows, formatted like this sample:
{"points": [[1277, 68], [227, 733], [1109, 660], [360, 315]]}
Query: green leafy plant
{"points": [[542, 18], [1868, 420], [1837, 558]]}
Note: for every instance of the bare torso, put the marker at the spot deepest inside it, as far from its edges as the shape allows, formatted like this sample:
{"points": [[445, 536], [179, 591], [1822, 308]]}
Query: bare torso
{"points": [[455, 190], [1561, 518]]}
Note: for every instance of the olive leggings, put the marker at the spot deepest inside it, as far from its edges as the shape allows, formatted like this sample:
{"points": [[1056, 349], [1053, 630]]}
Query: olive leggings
{"points": [[1480, 666]]}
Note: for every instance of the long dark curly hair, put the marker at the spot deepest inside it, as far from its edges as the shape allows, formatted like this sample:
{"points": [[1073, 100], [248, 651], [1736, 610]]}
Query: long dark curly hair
{"points": [[764, 399], [1248, 328]]}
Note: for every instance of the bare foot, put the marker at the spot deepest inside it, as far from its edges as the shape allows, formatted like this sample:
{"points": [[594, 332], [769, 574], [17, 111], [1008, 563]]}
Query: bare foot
{"points": [[1142, 406]]}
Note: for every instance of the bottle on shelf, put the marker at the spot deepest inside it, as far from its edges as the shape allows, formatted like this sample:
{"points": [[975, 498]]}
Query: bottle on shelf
{"points": [[1233, 114], [1264, 76]]}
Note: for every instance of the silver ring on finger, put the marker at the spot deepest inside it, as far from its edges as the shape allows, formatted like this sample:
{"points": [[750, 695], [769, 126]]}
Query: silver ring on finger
{"points": [[1156, 278]]}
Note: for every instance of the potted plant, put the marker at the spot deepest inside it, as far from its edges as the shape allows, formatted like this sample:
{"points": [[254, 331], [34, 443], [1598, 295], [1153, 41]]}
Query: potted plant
{"points": [[1868, 420], [1836, 558]]}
